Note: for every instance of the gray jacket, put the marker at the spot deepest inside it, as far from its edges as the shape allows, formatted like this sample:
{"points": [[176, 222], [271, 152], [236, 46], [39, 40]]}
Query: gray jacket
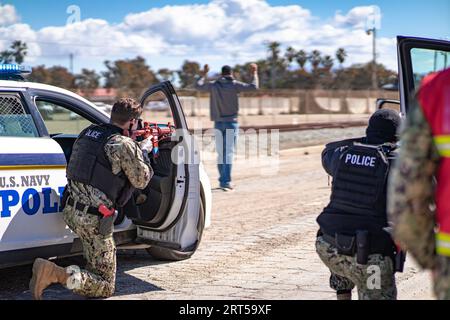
{"points": [[224, 102]]}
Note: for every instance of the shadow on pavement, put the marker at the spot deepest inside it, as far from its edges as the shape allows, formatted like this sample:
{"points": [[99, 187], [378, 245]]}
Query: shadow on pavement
{"points": [[14, 281]]}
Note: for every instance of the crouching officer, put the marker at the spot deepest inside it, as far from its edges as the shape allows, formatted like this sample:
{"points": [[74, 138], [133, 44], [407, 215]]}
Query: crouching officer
{"points": [[352, 240], [105, 168]]}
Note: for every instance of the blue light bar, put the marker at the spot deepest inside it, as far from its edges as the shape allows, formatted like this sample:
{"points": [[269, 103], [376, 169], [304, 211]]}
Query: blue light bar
{"points": [[14, 69]]}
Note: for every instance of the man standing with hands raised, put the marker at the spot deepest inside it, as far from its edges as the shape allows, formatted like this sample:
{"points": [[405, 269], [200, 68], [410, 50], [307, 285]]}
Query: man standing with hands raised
{"points": [[224, 110]]}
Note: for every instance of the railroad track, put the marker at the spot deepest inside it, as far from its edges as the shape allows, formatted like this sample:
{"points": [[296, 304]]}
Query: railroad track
{"points": [[302, 126]]}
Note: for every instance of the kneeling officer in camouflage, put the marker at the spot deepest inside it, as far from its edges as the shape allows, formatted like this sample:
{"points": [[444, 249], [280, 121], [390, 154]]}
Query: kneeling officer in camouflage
{"points": [[104, 170], [353, 241]]}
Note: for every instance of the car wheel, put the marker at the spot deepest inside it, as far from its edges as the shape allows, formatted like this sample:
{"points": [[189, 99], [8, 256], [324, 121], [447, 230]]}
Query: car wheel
{"points": [[166, 254]]}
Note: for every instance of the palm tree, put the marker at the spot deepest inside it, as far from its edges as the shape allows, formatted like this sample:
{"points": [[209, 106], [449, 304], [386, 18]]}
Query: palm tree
{"points": [[315, 58], [274, 50], [340, 56], [290, 54], [327, 63], [301, 58], [6, 57], [274, 57], [19, 50]]}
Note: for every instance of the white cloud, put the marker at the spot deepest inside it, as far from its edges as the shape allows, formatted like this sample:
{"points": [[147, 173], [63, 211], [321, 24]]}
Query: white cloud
{"points": [[8, 15], [219, 32], [359, 17], [96, 38]]}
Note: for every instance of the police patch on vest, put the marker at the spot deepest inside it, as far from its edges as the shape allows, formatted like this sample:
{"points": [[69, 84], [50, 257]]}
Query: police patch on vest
{"points": [[94, 134], [359, 180], [360, 160]]}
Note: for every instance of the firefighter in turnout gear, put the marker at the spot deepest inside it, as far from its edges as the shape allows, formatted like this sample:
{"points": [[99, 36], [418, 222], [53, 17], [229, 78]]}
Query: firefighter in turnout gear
{"points": [[104, 170], [420, 185], [352, 240]]}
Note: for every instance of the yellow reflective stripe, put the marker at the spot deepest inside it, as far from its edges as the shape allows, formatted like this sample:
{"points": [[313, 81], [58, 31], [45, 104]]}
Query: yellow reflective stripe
{"points": [[443, 145], [441, 236], [443, 251], [443, 244], [443, 139]]}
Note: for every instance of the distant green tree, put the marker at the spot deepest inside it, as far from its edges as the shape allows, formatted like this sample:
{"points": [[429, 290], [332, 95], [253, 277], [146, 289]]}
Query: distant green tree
{"points": [[88, 81], [359, 77], [278, 66], [165, 74], [315, 58], [129, 77], [61, 77], [40, 74], [20, 51], [327, 63], [188, 73], [274, 50], [290, 54], [16, 54], [302, 59], [6, 57], [341, 55], [56, 76]]}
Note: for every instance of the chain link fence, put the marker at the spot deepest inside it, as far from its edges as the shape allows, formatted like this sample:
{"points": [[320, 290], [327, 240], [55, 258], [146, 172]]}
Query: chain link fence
{"points": [[14, 121]]}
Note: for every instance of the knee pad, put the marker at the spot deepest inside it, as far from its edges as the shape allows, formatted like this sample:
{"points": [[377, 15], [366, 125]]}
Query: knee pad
{"points": [[74, 280]]}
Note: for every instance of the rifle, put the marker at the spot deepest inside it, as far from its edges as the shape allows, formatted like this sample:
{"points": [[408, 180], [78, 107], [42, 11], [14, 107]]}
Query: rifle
{"points": [[155, 131]]}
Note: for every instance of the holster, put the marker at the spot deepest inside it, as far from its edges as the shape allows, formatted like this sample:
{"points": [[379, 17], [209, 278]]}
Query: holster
{"points": [[106, 226], [362, 247]]}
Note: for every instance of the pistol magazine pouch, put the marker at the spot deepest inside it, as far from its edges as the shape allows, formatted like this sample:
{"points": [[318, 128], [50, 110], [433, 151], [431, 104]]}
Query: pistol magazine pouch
{"points": [[345, 244]]}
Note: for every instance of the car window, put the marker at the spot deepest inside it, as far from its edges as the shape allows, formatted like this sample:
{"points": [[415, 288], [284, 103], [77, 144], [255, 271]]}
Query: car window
{"points": [[14, 120], [61, 120], [426, 61], [389, 104], [157, 109]]}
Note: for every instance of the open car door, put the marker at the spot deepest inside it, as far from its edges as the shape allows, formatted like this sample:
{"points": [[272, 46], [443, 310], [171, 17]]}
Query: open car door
{"points": [[168, 212], [418, 57]]}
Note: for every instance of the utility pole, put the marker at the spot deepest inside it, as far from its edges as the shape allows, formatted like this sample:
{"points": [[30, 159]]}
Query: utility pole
{"points": [[374, 23], [71, 62], [373, 31]]}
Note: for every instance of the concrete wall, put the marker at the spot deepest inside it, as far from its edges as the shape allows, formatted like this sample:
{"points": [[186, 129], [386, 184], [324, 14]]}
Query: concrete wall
{"points": [[293, 102]]}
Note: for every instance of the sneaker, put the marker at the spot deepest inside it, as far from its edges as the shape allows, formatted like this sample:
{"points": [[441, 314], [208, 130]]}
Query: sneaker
{"points": [[228, 188]]}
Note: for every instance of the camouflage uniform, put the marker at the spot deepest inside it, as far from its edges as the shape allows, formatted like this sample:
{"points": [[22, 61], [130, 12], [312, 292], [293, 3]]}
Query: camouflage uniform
{"points": [[98, 278], [346, 273], [411, 199], [340, 284]]}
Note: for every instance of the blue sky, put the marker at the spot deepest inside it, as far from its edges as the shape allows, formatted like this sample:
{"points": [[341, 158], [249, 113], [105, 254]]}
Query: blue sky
{"points": [[163, 45], [429, 18]]}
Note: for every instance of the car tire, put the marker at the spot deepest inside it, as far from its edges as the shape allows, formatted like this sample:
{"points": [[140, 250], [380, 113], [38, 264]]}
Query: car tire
{"points": [[165, 254]]}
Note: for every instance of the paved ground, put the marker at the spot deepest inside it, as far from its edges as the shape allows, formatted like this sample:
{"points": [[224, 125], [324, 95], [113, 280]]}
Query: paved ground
{"points": [[260, 244]]}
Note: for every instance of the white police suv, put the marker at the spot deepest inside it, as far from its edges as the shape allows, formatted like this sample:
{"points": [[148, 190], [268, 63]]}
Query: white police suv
{"points": [[38, 127]]}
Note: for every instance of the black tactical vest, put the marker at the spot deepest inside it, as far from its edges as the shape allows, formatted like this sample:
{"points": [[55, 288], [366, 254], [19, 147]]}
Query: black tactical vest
{"points": [[358, 196], [89, 165]]}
